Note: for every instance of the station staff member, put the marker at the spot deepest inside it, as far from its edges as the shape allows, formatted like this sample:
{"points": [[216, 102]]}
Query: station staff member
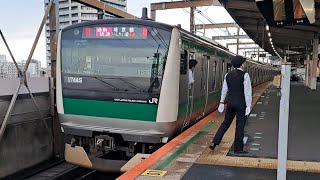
{"points": [[192, 65], [237, 88]]}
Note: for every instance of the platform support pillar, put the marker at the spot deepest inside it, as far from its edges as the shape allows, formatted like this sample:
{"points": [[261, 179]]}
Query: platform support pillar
{"points": [[283, 122], [238, 41], [307, 72], [192, 22], [314, 64]]}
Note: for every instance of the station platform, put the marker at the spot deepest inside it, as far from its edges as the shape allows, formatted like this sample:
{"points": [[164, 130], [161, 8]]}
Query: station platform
{"points": [[189, 157]]}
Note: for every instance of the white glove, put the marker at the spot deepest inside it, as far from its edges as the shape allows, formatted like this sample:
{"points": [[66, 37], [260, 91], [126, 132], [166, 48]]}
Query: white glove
{"points": [[248, 109], [221, 108]]}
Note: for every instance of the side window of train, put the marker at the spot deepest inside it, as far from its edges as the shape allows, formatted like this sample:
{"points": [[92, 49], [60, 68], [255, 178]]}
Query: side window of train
{"points": [[223, 68], [229, 67], [222, 73], [214, 74], [255, 75], [184, 62]]}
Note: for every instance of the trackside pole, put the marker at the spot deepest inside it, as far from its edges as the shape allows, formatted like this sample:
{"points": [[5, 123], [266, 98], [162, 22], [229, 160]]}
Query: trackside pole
{"points": [[283, 122]]}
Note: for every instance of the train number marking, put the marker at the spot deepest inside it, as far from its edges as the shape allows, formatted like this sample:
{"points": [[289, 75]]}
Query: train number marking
{"points": [[77, 80]]}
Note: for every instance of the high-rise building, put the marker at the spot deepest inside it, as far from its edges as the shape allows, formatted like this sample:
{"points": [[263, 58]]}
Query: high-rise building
{"points": [[9, 70], [71, 12], [3, 58], [34, 68]]}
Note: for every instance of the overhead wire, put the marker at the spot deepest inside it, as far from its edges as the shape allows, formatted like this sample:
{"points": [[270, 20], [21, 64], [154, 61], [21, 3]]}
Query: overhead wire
{"points": [[194, 17], [208, 18], [204, 15]]}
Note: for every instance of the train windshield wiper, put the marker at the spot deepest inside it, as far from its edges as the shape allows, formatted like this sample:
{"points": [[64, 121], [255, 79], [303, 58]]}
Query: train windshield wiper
{"points": [[154, 80], [102, 80], [154, 84], [132, 85], [111, 86]]}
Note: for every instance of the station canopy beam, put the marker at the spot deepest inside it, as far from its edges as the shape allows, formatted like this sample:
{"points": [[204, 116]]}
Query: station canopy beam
{"points": [[251, 48], [105, 7], [180, 4], [217, 26], [230, 37], [298, 37], [183, 4], [261, 52], [241, 43], [248, 6]]}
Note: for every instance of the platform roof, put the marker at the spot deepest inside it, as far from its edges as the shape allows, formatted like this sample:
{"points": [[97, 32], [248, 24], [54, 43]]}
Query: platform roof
{"points": [[297, 38]]}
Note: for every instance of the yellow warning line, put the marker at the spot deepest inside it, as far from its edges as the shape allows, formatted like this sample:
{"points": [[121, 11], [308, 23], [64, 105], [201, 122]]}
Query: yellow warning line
{"points": [[263, 163]]}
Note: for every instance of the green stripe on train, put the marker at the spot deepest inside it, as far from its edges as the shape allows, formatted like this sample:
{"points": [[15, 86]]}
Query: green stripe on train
{"points": [[120, 110]]}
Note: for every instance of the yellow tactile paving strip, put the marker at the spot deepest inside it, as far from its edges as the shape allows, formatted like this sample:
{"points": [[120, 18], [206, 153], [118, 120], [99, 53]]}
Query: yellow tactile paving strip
{"points": [[302, 166], [219, 156]]}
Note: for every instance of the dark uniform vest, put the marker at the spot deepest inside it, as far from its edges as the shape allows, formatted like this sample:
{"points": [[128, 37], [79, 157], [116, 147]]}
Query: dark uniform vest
{"points": [[236, 95]]}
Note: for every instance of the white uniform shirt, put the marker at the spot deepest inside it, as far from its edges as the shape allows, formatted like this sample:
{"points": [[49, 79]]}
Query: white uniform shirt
{"points": [[190, 75], [247, 89]]}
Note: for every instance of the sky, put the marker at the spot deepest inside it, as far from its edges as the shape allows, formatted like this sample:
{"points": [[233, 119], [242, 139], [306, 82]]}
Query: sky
{"points": [[20, 21]]}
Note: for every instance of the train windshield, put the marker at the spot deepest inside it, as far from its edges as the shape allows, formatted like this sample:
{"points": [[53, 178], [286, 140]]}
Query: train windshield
{"points": [[115, 50]]}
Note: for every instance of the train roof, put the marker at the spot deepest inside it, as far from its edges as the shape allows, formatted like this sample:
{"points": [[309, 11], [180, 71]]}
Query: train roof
{"points": [[122, 21]]}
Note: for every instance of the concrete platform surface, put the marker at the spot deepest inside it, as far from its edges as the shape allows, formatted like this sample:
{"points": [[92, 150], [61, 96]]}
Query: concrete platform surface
{"points": [[190, 158], [209, 172]]}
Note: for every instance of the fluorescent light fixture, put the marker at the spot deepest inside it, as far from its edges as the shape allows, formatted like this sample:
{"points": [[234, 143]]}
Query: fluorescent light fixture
{"points": [[270, 39], [269, 34], [267, 27]]}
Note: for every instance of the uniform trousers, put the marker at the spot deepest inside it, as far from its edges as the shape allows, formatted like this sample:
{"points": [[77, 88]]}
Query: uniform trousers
{"points": [[231, 112]]}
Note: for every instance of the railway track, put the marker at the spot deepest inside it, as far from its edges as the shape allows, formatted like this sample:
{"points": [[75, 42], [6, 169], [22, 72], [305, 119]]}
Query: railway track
{"points": [[95, 175], [61, 170]]}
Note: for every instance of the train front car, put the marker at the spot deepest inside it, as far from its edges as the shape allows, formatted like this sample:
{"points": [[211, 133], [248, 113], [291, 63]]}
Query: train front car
{"points": [[115, 78]]}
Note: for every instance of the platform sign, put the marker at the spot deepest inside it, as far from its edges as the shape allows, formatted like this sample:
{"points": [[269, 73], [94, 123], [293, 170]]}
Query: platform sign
{"points": [[279, 12], [287, 12]]}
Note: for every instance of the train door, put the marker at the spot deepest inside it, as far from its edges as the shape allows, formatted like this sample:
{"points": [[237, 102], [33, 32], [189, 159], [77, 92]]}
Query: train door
{"points": [[205, 85], [191, 86]]}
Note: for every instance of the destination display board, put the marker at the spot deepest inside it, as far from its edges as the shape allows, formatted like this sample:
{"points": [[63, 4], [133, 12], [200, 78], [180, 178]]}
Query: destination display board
{"points": [[118, 32]]}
